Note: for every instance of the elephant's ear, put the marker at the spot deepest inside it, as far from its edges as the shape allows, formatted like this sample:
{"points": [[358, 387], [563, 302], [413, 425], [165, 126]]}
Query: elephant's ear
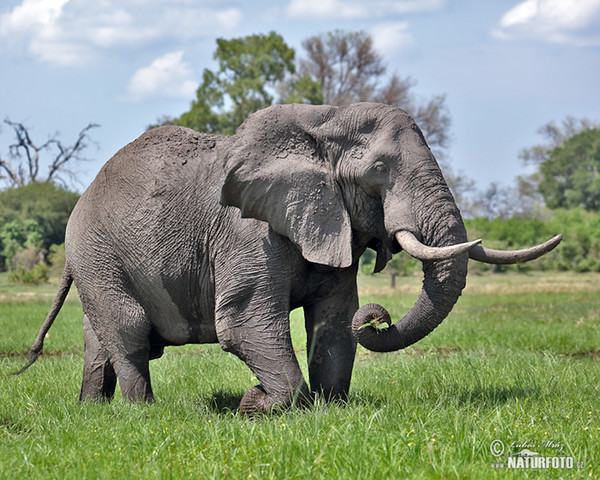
{"points": [[275, 171]]}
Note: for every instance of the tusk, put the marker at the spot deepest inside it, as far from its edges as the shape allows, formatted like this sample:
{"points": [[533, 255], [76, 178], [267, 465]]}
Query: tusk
{"points": [[414, 248], [502, 257]]}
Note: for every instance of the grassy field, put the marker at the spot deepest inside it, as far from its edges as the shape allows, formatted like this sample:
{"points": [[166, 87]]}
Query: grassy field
{"points": [[517, 362]]}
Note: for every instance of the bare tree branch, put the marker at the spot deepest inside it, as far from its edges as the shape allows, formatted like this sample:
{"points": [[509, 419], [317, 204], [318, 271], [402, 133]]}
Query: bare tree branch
{"points": [[9, 172], [349, 70], [395, 92], [346, 65], [24, 163], [67, 153]]}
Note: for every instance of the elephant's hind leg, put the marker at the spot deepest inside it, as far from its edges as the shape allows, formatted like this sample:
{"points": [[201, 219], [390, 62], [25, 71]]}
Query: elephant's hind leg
{"points": [[132, 353], [99, 378], [123, 329]]}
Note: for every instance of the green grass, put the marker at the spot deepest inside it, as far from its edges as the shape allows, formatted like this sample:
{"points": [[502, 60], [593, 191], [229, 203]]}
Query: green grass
{"points": [[518, 360]]}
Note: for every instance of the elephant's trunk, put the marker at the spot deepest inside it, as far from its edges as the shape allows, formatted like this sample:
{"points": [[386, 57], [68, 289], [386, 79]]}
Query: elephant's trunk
{"points": [[443, 283]]}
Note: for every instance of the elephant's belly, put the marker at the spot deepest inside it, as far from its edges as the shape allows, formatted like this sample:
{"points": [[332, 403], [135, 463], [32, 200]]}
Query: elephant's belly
{"points": [[176, 329], [177, 323]]}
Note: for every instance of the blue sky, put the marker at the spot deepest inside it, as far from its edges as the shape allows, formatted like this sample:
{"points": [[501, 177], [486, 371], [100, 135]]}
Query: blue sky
{"points": [[506, 66]]}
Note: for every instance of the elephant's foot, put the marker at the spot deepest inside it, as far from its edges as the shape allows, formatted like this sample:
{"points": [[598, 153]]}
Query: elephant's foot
{"points": [[255, 401]]}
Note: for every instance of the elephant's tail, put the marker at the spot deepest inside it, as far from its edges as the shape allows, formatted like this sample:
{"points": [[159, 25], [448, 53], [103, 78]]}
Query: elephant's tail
{"points": [[36, 349]]}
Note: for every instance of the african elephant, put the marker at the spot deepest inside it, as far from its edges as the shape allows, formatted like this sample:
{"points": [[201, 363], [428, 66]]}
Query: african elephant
{"points": [[186, 237]]}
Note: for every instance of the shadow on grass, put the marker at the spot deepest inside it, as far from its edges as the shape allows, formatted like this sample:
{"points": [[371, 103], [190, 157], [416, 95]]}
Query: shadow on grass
{"points": [[495, 394], [358, 398], [14, 427], [462, 395], [221, 402], [227, 403]]}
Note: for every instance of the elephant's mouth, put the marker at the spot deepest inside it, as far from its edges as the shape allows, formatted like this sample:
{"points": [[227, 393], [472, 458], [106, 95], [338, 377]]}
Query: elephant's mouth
{"points": [[407, 241]]}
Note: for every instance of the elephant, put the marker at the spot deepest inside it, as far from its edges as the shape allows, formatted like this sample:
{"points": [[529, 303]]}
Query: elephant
{"points": [[185, 237]]}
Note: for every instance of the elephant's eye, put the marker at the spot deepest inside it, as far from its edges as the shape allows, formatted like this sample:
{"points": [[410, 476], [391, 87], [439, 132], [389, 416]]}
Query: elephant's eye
{"points": [[375, 178], [380, 168]]}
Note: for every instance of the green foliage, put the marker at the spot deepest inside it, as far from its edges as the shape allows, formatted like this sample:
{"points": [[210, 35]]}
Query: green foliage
{"points": [[36, 275], [571, 173], [403, 264], [302, 90], [22, 241], [35, 214], [579, 250], [46, 203], [367, 262], [18, 235], [250, 71]]}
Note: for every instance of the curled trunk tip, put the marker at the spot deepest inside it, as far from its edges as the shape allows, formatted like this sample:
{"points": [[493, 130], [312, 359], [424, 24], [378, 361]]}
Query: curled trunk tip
{"points": [[370, 326]]}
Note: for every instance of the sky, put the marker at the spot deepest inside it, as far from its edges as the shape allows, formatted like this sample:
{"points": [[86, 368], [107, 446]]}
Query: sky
{"points": [[507, 67]]}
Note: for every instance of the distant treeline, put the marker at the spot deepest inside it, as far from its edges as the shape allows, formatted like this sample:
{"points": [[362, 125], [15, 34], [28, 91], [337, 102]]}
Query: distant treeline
{"points": [[33, 220], [579, 250]]}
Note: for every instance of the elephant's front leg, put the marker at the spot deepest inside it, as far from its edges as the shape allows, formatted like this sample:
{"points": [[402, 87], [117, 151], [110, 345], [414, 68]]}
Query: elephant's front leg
{"points": [[260, 336], [331, 346]]}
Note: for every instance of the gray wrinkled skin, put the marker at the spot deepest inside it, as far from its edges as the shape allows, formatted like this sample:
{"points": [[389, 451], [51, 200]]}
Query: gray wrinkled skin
{"points": [[185, 237]]}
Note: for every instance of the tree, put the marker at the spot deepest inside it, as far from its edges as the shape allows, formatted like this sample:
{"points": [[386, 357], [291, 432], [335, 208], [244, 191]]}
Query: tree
{"points": [[350, 70], [345, 64], [18, 234], [571, 172], [530, 202], [554, 136], [252, 70], [24, 161], [45, 204]]}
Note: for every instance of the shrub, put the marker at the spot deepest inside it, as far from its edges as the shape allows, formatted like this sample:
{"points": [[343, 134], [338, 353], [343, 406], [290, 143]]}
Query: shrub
{"points": [[35, 213], [38, 274], [27, 258], [579, 251]]}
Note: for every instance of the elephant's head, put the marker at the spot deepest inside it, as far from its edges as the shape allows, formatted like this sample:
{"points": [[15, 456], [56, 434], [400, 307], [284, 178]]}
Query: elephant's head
{"points": [[336, 180]]}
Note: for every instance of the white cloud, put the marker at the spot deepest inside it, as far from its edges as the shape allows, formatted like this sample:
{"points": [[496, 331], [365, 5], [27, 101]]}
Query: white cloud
{"points": [[325, 9], [166, 76], [573, 22], [70, 32], [391, 37], [359, 8], [229, 18], [31, 15]]}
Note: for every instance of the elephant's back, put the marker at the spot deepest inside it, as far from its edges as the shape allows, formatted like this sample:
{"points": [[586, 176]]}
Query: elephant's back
{"points": [[148, 189], [161, 163], [161, 158]]}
